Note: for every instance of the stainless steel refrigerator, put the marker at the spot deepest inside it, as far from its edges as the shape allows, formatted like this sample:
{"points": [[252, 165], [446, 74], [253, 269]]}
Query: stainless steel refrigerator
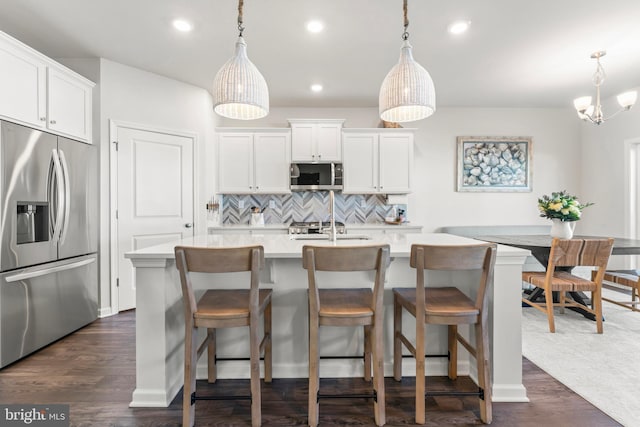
{"points": [[48, 232]]}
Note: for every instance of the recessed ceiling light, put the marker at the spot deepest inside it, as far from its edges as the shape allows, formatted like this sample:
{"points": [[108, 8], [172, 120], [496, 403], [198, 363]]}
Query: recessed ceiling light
{"points": [[316, 88], [182, 25], [315, 26], [459, 27]]}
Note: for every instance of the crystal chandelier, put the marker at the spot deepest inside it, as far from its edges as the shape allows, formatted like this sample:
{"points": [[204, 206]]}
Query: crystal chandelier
{"points": [[407, 92], [593, 113], [239, 90]]}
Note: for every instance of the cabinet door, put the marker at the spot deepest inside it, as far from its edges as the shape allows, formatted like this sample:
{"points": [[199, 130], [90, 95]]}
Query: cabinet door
{"points": [[302, 142], [235, 163], [360, 160], [396, 155], [329, 142], [69, 105], [271, 162], [22, 86]]}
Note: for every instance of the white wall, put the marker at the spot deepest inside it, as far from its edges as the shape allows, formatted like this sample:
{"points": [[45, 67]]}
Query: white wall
{"points": [[604, 165], [135, 96], [435, 201]]}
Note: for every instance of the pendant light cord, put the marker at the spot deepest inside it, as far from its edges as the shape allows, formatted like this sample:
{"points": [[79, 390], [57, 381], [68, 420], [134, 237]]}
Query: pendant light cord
{"points": [[405, 34], [240, 22]]}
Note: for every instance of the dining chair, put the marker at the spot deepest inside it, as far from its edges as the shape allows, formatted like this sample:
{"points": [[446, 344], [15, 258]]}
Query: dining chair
{"points": [[626, 278], [223, 308], [563, 256], [347, 307], [449, 306]]}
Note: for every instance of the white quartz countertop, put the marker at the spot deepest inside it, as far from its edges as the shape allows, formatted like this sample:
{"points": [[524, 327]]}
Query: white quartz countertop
{"points": [[282, 246], [354, 227]]}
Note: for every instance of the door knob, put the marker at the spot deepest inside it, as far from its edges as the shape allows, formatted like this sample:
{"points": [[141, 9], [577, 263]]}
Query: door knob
{"points": [[188, 225]]}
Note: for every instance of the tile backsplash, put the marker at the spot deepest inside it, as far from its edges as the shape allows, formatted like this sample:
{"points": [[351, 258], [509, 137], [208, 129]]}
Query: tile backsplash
{"points": [[307, 206]]}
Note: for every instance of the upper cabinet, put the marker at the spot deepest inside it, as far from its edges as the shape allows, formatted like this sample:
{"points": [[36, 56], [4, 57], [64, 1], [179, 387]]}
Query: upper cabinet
{"points": [[377, 161], [38, 92], [316, 140], [253, 161]]}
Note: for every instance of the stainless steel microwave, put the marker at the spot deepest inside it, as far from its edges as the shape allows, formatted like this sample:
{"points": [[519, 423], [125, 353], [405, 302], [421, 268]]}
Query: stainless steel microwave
{"points": [[316, 176]]}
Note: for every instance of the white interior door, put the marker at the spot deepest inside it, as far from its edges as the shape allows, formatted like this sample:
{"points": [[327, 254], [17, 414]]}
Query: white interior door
{"points": [[154, 197]]}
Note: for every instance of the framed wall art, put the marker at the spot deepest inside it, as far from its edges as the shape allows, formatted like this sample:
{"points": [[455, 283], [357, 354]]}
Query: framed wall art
{"points": [[494, 163]]}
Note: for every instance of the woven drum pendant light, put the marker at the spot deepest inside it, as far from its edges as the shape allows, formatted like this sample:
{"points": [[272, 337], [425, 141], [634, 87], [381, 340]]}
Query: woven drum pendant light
{"points": [[239, 90], [407, 93]]}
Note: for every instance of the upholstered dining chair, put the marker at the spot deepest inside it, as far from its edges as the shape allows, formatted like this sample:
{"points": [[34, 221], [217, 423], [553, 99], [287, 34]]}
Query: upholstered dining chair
{"points": [[569, 253], [223, 308], [350, 307], [447, 306]]}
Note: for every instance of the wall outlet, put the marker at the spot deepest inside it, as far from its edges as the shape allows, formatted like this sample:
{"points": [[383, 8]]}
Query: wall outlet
{"points": [[272, 204], [241, 204], [363, 203]]}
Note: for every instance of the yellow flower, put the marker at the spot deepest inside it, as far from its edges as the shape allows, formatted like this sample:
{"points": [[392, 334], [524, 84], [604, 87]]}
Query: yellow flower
{"points": [[555, 206]]}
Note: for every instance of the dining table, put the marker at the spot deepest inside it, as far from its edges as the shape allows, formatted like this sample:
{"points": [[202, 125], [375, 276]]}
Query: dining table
{"points": [[539, 245]]}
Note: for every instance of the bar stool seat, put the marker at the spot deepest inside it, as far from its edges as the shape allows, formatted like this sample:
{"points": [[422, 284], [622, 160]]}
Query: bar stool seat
{"points": [[347, 303], [347, 307], [223, 308]]}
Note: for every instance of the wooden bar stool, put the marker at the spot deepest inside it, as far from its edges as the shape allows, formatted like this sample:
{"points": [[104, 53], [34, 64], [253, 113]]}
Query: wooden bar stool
{"points": [[223, 308], [446, 306], [347, 307]]}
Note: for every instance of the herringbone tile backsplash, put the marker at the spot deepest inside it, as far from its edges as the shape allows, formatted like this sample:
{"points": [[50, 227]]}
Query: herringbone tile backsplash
{"points": [[307, 206]]}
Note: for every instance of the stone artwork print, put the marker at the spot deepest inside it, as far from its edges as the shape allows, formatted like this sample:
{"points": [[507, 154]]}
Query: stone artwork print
{"points": [[495, 164]]}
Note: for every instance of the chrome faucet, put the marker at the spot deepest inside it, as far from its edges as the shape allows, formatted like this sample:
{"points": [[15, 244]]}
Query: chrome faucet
{"points": [[332, 214]]}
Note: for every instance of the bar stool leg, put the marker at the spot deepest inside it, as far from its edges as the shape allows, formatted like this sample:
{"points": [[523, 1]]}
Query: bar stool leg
{"points": [[397, 345], [313, 372], [420, 373], [268, 359], [190, 360], [378, 373], [367, 352], [453, 351], [484, 376], [212, 366], [254, 344]]}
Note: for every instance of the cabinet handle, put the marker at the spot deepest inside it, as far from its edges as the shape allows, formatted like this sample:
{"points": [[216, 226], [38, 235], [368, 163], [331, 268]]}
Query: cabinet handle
{"points": [[53, 122], [319, 156], [42, 119], [188, 225]]}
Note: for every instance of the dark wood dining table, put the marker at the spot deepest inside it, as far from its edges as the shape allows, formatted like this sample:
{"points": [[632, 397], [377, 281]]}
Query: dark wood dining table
{"points": [[540, 245]]}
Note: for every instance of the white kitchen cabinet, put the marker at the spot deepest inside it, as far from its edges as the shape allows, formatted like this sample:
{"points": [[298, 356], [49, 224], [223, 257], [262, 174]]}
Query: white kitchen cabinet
{"points": [[68, 105], [253, 161], [38, 92], [316, 140], [377, 161]]}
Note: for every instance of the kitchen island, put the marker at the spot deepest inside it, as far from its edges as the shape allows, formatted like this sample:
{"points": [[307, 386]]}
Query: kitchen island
{"points": [[160, 321]]}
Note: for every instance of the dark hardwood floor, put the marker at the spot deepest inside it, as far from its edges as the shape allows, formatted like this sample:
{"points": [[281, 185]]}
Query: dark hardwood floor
{"points": [[93, 370]]}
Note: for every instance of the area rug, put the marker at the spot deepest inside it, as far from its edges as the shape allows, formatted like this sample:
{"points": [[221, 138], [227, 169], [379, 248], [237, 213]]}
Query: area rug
{"points": [[603, 368]]}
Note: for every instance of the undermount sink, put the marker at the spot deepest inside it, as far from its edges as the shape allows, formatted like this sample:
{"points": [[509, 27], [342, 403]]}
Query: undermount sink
{"points": [[308, 237], [326, 237], [353, 237]]}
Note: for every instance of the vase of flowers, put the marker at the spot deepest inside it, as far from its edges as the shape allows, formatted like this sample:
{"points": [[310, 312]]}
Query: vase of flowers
{"points": [[563, 210]]}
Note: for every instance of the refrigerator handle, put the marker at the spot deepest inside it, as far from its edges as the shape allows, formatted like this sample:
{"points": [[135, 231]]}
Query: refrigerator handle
{"points": [[67, 196], [56, 195], [44, 271]]}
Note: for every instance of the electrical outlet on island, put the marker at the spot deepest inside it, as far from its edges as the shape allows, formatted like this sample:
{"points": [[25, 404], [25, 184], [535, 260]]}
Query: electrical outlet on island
{"points": [[272, 204], [241, 204]]}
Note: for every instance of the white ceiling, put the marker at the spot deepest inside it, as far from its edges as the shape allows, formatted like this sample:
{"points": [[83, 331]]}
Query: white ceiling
{"points": [[517, 53]]}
